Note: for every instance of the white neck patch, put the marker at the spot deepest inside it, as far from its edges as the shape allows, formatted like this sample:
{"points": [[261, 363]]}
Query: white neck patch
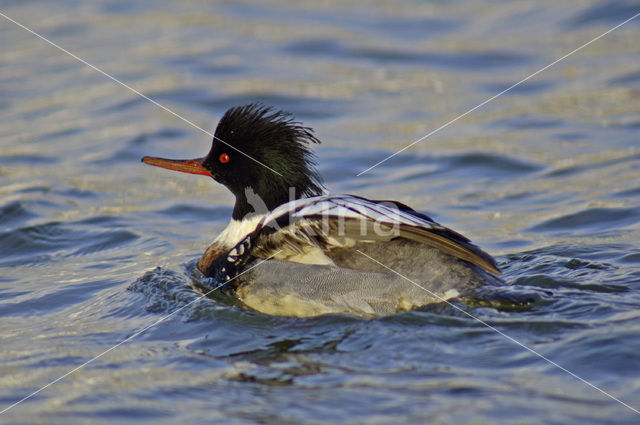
{"points": [[236, 230]]}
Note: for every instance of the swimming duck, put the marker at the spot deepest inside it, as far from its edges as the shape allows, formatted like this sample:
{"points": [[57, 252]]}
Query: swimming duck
{"points": [[293, 249]]}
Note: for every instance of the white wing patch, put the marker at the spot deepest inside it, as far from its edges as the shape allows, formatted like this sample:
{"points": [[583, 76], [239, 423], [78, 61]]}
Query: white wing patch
{"points": [[347, 207], [295, 239]]}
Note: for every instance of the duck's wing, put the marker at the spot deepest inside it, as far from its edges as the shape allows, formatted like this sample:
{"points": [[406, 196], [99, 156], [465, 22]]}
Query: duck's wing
{"points": [[306, 230]]}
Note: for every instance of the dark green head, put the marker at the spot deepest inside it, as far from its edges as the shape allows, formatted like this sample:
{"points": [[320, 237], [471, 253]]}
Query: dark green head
{"points": [[261, 155]]}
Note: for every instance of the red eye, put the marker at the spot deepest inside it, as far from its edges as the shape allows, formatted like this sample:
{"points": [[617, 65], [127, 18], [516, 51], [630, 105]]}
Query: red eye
{"points": [[224, 158]]}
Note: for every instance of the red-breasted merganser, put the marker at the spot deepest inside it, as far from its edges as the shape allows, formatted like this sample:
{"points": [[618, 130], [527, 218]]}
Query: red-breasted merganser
{"points": [[326, 253]]}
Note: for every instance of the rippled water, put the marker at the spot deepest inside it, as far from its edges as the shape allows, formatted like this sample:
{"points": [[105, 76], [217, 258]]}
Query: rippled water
{"points": [[94, 246]]}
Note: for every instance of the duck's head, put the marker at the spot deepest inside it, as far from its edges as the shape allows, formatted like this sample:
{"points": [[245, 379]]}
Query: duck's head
{"points": [[256, 150]]}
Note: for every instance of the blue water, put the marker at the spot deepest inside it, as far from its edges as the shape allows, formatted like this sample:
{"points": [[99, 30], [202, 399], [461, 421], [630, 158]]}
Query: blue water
{"points": [[95, 247]]}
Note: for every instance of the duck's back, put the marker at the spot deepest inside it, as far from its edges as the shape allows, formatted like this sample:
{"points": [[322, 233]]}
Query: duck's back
{"points": [[334, 267]]}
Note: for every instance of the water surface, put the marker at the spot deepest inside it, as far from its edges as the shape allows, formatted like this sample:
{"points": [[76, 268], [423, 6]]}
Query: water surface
{"points": [[94, 246]]}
